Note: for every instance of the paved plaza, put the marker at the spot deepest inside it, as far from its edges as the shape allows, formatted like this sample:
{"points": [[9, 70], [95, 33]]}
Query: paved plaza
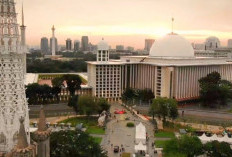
{"points": [[117, 133]]}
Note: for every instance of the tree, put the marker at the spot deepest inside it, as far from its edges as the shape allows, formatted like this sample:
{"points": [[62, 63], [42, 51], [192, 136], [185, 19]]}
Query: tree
{"points": [[102, 105], [36, 93], [73, 83], [163, 107], [128, 94], [188, 146], [217, 149], [74, 143], [32, 93], [213, 90], [57, 84], [86, 105], [73, 102]]}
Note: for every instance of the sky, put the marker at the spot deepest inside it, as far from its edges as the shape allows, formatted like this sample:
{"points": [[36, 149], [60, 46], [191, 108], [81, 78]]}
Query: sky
{"points": [[126, 22]]}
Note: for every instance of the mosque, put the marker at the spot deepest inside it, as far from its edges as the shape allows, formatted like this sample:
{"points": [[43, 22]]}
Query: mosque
{"points": [[170, 70]]}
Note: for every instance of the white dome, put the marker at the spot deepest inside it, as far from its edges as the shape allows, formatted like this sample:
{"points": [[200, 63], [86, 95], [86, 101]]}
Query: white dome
{"points": [[212, 42], [172, 45], [103, 45]]}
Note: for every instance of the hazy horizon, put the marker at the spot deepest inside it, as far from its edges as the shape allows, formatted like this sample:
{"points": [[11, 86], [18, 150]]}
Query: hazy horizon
{"points": [[126, 22]]}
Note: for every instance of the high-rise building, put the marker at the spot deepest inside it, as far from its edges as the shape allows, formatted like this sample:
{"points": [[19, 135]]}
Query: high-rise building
{"points": [[56, 45], [229, 43], [129, 48], [119, 47], [84, 43], [14, 117], [68, 44], [76, 45], [44, 45], [148, 44]]}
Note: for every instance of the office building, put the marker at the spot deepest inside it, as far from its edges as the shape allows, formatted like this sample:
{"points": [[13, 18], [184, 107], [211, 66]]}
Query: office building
{"points": [[44, 46], [76, 45], [68, 44], [148, 44], [119, 47], [84, 43], [229, 44]]}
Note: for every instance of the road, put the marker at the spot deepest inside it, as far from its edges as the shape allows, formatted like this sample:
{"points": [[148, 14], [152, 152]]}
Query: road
{"points": [[118, 134]]}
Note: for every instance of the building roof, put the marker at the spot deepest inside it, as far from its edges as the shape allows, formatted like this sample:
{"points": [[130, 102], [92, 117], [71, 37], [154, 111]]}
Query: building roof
{"points": [[102, 45], [175, 61], [172, 45]]}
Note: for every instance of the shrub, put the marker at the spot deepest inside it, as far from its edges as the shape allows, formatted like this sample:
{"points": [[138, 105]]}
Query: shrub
{"points": [[130, 124]]}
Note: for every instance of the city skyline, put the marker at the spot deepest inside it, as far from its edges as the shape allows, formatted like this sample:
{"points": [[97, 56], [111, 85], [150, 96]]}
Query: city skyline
{"points": [[126, 22]]}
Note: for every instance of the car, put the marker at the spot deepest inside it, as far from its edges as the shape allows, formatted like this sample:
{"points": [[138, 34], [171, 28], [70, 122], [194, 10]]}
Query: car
{"points": [[116, 149]]}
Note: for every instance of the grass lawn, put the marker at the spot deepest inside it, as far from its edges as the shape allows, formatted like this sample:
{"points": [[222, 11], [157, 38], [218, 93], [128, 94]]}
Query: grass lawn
{"points": [[160, 144], [89, 122], [165, 134], [97, 139], [125, 154], [95, 130]]}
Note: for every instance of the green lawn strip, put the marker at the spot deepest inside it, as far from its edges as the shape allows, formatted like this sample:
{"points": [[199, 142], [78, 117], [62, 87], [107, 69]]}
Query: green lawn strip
{"points": [[95, 130], [87, 121], [97, 139], [126, 155], [165, 134], [160, 143]]}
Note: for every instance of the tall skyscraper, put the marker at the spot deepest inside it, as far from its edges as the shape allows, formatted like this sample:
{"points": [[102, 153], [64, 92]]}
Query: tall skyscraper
{"points": [[76, 45], [56, 45], [68, 44], [84, 43], [229, 43], [44, 45], [148, 44], [13, 100]]}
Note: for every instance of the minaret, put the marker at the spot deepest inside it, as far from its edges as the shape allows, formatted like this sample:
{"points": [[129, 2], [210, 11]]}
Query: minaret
{"points": [[42, 136], [53, 42], [102, 51], [23, 41], [23, 30], [13, 102]]}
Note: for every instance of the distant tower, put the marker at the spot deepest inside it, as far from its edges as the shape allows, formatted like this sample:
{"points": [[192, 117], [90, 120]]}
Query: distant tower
{"points": [[148, 44], [84, 43], [102, 51], [53, 42], [76, 45], [56, 44], [68, 44], [44, 45], [13, 102], [42, 136], [23, 148]]}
